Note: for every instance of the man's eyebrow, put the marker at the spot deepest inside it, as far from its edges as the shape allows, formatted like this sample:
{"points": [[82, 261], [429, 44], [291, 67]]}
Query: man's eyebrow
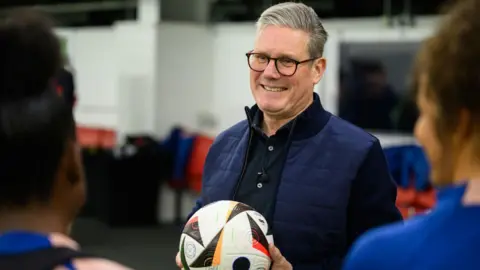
{"points": [[282, 55]]}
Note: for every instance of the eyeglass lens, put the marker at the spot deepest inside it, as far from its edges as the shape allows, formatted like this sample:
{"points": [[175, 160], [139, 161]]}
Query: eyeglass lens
{"points": [[259, 62]]}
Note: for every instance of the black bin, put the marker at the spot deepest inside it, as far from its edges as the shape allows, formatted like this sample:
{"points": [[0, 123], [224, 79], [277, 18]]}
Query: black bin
{"points": [[136, 175]]}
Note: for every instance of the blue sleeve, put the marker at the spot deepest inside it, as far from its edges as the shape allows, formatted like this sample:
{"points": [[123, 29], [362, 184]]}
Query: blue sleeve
{"points": [[196, 207], [373, 195]]}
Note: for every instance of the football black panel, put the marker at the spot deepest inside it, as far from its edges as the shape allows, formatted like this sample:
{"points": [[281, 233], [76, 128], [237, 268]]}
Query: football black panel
{"points": [[257, 233], [205, 258], [239, 208], [193, 230], [241, 263]]}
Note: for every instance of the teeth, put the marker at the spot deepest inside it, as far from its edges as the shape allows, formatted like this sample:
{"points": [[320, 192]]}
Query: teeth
{"points": [[273, 89]]}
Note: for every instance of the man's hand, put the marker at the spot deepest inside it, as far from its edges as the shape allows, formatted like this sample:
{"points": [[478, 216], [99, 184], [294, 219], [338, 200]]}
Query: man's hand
{"points": [[179, 261], [278, 261]]}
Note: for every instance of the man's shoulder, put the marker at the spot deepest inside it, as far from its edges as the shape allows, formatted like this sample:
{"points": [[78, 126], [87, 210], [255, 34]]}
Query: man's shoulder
{"points": [[347, 130], [345, 136], [235, 131], [97, 264], [386, 246]]}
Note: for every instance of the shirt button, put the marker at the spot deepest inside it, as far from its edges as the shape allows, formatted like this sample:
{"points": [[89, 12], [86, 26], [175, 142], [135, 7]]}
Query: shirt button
{"points": [[259, 185], [270, 148]]}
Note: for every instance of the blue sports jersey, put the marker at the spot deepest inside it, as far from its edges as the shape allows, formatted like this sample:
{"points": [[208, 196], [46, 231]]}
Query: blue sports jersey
{"points": [[446, 238], [17, 242]]}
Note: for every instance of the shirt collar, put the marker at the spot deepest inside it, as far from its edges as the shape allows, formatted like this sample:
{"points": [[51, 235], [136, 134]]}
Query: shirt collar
{"points": [[308, 123]]}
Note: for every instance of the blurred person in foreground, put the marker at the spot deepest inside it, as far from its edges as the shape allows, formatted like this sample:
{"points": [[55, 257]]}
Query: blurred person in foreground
{"points": [[319, 181], [448, 128], [42, 187]]}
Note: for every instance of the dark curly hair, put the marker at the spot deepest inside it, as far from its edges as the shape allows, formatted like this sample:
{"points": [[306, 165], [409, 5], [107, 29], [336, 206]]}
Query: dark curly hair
{"points": [[35, 123]]}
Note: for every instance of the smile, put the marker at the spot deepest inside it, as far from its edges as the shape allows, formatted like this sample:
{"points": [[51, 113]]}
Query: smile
{"points": [[273, 89]]}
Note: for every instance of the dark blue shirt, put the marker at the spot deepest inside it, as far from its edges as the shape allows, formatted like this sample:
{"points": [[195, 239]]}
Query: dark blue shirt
{"points": [[266, 158]]}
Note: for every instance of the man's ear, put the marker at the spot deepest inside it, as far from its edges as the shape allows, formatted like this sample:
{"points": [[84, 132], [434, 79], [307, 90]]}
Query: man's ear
{"points": [[319, 66]]}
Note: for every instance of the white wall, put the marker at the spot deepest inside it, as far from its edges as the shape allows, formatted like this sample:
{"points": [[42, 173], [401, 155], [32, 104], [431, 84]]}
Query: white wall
{"points": [[91, 54], [231, 87], [184, 75], [135, 48]]}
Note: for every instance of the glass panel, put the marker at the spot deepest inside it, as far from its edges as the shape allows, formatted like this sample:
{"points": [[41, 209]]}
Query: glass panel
{"points": [[374, 91]]}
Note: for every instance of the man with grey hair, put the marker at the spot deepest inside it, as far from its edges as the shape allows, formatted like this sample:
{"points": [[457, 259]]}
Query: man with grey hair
{"points": [[319, 181]]}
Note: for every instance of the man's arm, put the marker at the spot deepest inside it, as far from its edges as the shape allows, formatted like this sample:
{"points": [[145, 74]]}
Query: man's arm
{"points": [[373, 195]]}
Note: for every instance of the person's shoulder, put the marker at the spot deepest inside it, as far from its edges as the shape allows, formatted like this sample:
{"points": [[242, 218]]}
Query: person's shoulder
{"points": [[386, 247], [98, 264], [93, 263], [348, 137], [349, 130], [378, 249], [235, 131]]}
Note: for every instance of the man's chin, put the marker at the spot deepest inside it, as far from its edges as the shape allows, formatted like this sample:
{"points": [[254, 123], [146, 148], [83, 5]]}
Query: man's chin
{"points": [[271, 109]]}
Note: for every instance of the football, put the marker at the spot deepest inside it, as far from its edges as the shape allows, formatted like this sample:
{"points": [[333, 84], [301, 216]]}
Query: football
{"points": [[225, 235]]}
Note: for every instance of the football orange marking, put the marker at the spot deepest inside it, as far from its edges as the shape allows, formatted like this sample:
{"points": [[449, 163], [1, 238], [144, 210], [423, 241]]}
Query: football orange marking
{"points": [[256, 245], [217, 256], [232, 205]]}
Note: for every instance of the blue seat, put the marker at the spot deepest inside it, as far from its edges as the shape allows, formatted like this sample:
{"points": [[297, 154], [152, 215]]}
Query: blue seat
{"points": [[182, 155], [406, 162]]}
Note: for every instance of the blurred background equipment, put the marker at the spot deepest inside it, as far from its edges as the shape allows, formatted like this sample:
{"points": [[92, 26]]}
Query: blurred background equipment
{"points": [[153, 82]]}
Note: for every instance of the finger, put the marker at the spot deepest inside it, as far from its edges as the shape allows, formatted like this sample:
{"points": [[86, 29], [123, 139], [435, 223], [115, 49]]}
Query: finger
{"points": [[275, 253], [178, 261]]}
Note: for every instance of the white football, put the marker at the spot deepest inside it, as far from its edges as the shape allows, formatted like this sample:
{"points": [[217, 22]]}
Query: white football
{"points": [[225, 235]]}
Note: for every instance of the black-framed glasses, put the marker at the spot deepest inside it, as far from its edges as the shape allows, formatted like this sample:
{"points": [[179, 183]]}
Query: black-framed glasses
{"points": [[284, 65]]}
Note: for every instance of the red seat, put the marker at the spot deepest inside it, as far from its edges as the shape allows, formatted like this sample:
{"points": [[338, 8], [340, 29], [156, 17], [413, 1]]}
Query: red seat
{"points": [[405, 199], [425, 200], [201, 145], [410, 202], [89, 137]]}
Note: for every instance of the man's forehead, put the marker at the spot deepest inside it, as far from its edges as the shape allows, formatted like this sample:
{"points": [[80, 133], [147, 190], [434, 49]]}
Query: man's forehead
{"points": [[277, 41]]}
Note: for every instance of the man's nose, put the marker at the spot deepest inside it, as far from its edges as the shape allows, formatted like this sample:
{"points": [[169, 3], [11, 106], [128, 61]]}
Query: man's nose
{"points": [[271, 70]]}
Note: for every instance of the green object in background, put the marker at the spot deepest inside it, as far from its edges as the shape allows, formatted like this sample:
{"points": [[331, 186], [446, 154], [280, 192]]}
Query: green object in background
{"points": [[63, 46], [64, 51]]}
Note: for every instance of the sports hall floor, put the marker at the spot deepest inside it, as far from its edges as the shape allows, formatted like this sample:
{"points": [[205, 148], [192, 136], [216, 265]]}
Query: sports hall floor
{"points": [[139, 248]]}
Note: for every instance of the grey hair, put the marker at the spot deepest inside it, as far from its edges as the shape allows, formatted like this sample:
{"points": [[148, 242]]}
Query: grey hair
{"points": [[300, 17]]}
